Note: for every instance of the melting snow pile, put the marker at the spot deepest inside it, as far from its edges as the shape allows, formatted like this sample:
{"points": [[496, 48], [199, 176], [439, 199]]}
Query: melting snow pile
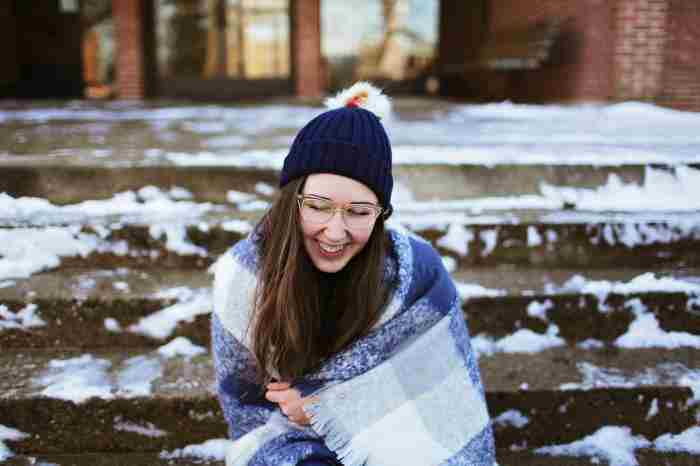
{"points": [[23, 319], [214, 449], [148, 203], [512, 418], [646, 332], [685, 442], [612, 443], [522, 341], [181, 346], [7, 433], [617, 445], [645, 283], [162, 324], [25, 251]]}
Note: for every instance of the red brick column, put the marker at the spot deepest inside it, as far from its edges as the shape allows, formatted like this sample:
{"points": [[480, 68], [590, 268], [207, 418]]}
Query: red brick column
{"points": [[307, 71], [130, 67], [640, 45], [681, 73]]}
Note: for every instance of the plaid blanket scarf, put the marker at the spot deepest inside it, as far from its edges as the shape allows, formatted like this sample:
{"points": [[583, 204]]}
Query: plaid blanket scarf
{"points": [[407, 394]]}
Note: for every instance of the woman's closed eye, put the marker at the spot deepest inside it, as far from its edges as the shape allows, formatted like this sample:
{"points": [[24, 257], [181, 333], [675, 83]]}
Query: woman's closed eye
{"points": [[360, 211], [318, 205]]}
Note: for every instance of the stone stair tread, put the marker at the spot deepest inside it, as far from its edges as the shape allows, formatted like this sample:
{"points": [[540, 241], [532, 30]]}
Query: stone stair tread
{"points": [[416, 215], [107, 459], [182, 406], [210, 180], [504, 457], [117, 373], [27, 373], [570, 245], [644, 458], [130, 283], [529, 281]]}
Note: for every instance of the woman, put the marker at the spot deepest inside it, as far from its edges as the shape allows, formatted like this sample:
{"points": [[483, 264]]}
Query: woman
{"points": [[335, 340]]}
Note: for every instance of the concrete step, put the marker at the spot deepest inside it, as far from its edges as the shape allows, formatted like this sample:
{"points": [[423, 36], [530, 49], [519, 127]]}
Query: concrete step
{"points": [[645, 246], [505, 458], [643, 457], [170, 400], [65, 183], [138, 283], [109, 459], [82, 323]]}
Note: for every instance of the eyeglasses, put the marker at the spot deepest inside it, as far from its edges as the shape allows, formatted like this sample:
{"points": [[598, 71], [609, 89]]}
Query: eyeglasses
{"points": [[356, 215]]}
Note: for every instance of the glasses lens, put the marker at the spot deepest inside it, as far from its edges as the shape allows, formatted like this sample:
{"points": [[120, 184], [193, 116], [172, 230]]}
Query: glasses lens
{"points": [[360, 216], [316, 210], [321, 211]]}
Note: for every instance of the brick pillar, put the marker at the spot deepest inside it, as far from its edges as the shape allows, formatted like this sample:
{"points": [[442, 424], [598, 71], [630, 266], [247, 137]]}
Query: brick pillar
{"points": [[307, 69], [130, 70], [640, 48]]}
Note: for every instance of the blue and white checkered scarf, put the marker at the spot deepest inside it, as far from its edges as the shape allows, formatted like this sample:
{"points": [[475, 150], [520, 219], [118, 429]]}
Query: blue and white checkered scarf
{"points": [[407, 394]]}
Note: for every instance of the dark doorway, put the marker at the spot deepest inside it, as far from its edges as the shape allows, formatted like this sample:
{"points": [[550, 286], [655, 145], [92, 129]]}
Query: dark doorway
{"points": [[47, 49]]}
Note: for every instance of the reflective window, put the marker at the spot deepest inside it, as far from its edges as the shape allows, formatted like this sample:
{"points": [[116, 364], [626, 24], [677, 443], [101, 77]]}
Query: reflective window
{"points": [[247, 39], [378, 39]]}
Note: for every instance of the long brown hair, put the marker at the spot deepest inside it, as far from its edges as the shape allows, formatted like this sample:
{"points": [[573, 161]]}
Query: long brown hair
{"points": [[303, 315]]}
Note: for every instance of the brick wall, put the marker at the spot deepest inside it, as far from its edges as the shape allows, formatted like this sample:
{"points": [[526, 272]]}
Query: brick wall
{"points": [[307, 69], [580, 67], [130, 65], [681, 71], [641, 28]]}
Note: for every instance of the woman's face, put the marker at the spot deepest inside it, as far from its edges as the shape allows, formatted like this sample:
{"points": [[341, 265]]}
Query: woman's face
{"points": [[331, 245]]}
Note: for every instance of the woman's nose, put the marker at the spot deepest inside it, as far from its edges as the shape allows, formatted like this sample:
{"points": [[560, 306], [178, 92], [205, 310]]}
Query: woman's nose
{"points": [[335, 228]]}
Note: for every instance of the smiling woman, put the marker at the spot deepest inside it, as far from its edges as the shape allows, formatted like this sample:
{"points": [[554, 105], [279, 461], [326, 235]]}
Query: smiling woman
{"points": [[335, 340]]}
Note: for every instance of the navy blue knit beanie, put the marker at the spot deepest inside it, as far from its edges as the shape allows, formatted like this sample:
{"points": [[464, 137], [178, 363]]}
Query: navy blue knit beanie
{"points": [[348, 140]]}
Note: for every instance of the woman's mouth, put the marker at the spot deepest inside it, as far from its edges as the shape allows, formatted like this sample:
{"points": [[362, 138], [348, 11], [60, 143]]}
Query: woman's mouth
{"points": [[330, 250]]}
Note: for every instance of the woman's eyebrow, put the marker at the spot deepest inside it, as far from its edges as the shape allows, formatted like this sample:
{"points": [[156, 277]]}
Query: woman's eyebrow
{"points": [[331, 200]]}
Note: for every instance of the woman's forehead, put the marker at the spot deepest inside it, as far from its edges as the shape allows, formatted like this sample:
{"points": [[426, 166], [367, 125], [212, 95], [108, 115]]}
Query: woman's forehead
{"points": [[338, 188]]}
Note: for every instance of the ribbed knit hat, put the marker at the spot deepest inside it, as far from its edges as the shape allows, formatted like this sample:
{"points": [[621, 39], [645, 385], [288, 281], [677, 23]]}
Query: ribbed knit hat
{"points": [[348, 140]]}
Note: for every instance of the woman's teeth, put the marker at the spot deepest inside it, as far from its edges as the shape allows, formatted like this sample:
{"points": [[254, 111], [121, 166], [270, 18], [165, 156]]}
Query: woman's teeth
{"points": [[329, 248]]}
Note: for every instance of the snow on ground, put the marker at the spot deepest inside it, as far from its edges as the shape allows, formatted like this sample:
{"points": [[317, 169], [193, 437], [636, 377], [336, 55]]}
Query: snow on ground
{"points": [[502, 133], [539, 310], [612, 443], [8, 433], [662, 190], [22, 319], [687, 441], [76, 379], [522, 341], [181, 346], [512, 418], [148, 430], [457, 239], [644, 283], [148, 203], [473, 290], [25, 251], [610, 377], [214, 449], [646, 332], [161, 324], [617, 445]]}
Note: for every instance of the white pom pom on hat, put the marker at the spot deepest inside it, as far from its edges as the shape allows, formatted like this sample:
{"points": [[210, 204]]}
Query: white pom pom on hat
{"points": [[364, 95]]}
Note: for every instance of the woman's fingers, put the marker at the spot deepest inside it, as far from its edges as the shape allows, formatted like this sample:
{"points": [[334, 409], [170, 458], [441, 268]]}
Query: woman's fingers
{"points": [[282, 396], [278, 385]]}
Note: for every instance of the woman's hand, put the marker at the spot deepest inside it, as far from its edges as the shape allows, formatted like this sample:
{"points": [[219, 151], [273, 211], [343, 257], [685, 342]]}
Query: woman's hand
{"points": [[289, 401]]}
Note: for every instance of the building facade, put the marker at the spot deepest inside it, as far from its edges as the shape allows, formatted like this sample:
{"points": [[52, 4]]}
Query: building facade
{"points": [[481, 50]]}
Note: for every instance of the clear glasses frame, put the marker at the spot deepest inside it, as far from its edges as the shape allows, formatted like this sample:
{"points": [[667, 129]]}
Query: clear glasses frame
{"points": [[353, 221]]}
